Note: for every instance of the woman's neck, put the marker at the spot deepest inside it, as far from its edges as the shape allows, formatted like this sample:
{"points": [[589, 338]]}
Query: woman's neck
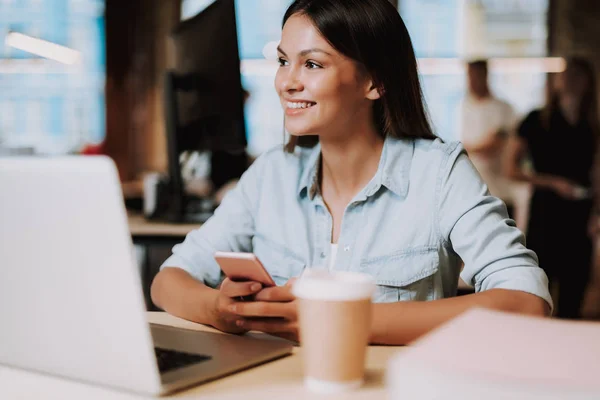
{"points": [[348, 164]]}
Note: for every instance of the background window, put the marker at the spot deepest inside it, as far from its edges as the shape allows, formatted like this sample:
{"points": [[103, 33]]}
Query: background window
{"points": [[34, 90], [446, 33]]}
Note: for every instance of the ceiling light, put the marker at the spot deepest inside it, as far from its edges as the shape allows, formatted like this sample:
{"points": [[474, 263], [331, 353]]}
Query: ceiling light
{"points": [[43, 48]]}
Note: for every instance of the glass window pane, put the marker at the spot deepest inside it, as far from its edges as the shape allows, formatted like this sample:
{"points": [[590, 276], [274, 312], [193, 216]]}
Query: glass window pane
{"points": [[35, 91]]}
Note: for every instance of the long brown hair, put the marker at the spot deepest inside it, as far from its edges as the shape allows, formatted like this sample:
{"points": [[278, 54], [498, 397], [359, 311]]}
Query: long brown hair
{"points": [[372, 33], [588, 108]]}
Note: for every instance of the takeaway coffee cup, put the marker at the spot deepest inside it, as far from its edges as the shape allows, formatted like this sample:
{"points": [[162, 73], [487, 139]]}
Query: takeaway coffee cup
{"points": [[334, 312]]}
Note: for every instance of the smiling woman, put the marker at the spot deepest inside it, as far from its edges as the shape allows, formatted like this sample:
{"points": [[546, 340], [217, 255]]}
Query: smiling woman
{"points": [[343, 63], [317, 84], [362, 173]]}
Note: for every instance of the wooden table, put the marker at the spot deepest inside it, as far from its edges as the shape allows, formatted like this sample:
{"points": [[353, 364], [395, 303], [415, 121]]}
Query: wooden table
{"points": [[279, 379], [145, 231]]}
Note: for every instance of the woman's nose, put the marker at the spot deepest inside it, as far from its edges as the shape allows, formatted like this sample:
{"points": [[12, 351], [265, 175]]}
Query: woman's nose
{"points": [[291, 82]]}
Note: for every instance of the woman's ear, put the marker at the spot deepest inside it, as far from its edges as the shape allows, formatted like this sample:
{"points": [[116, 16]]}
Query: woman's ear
{"points": [[374, 92]]}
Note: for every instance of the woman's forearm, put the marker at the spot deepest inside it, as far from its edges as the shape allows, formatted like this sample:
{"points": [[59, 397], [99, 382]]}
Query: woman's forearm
{"points": [[403, 322], [537, 180], [179, 294]]}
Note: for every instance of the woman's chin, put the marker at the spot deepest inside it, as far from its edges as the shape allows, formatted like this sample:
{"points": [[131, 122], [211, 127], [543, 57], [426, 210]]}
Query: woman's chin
{"points": [[299, 131]]}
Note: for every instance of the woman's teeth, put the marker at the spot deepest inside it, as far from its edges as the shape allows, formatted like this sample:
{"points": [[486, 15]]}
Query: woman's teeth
{"points": [[290, 104]]}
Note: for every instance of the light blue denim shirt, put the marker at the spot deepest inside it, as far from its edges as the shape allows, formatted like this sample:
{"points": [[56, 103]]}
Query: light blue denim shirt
{"points": [[425, 209]]}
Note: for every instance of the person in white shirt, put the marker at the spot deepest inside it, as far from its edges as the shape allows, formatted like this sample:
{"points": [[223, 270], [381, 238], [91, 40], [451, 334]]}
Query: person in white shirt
{"points": [[485, 123]]}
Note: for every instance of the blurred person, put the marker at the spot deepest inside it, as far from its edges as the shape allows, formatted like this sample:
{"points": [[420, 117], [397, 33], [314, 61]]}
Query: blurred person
{"points": [[591, 301], [561, 139], [485, 122], [362, 185]]}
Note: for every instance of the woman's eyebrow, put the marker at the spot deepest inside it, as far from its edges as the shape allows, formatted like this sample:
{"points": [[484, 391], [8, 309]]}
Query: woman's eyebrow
{"points": [[305, 52]]}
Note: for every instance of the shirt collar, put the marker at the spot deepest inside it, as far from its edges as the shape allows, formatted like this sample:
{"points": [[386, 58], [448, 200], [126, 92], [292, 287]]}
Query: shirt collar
{"points": [[394, 168], [309, 179], [392, 173]]}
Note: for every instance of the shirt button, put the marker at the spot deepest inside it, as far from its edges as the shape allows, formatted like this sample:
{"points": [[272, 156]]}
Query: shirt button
{"points": [[347, 248], [323, 255]]}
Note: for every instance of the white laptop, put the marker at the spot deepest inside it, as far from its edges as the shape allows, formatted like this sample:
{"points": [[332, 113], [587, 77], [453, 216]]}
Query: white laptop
{"points": [[71, 301]]}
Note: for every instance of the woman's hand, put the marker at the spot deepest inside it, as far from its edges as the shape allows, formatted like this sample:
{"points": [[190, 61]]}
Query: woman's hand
{"points": [[273, 311], [229, 294]]}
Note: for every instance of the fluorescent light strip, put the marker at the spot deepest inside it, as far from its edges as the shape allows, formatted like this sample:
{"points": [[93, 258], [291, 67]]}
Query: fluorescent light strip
{"points": [[440, 66], [516, 65], [43, 48], [509, 65]]}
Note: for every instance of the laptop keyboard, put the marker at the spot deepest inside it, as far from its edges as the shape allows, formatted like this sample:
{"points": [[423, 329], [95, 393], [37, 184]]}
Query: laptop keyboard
{"points": [[169, 360]]}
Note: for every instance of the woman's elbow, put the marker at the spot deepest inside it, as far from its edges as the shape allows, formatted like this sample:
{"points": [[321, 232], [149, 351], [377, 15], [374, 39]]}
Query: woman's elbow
{"points": [[519, 302], [533, 305], [157, 288]]}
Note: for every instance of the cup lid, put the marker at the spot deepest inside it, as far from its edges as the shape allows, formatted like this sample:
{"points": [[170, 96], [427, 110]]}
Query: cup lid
{"points": [[338, 285]]}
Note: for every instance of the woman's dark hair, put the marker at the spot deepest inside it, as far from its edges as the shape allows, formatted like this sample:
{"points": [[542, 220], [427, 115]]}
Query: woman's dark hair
{"points": [[372, 33], [588, 109]]}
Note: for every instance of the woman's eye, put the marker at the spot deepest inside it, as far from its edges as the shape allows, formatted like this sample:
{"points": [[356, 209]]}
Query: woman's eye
{"points": [[312, 65], [281, 61]]}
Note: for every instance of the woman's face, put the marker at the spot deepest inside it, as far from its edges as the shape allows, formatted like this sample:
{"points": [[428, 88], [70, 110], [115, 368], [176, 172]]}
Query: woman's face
{"points": [[573, 81], [321, 91]]}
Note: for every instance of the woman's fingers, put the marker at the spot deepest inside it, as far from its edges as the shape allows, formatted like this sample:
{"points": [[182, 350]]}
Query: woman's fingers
{"points": [[276, 293], [233, 289], [264, 309]]}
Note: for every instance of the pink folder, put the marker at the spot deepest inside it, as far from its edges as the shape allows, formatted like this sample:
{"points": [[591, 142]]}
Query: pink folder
{"points": [[496, 349]]}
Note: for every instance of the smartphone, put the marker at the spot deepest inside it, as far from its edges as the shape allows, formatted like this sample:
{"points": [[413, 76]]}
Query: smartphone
{"points": [[243, 267]]}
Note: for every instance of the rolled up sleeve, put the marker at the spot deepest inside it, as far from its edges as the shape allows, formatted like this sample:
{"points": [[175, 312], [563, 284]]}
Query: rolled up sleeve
{"points": [[478, 228], [231, 228]]}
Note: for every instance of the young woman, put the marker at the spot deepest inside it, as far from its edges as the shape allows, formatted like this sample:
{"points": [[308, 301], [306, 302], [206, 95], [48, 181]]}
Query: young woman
{"points": [[562, 141], [362, 185]]}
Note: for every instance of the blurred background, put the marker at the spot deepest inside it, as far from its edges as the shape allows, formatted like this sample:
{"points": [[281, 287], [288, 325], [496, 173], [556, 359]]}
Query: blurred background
{"points": [[112, 95], [90, 77]]}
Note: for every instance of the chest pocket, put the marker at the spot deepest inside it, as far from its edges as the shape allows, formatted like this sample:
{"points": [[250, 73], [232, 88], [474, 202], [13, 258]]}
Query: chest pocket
{"points": [[281, 262], [404, 275]]}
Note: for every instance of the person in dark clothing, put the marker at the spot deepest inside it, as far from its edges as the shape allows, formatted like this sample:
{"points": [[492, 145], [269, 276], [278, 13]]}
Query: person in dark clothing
{"points": [[561, 140]]}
